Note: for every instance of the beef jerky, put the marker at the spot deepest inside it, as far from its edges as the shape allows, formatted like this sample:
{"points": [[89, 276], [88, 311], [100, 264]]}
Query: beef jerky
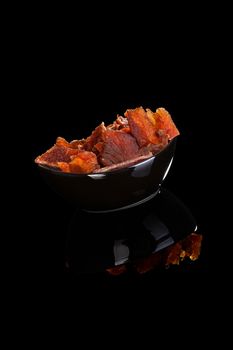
{"points": [[56, 154], [118, 147], [64, 167], [125, 164], [84, 163], [77, 144], [150, 148], [60, 141], [164, 123], [151, 128], [119, 124], [96, 137], [123, 143], [142, 127]]}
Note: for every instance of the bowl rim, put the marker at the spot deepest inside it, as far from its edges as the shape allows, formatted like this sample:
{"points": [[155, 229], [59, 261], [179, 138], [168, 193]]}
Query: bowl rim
{"points": [[101, 175]]}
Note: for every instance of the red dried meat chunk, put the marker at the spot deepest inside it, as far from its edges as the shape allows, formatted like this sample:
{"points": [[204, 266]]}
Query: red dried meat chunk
{"points": [[68, 159], [164, 123], [77, 144], [60, 141], [141, 127], [56, 154], [119, 124], [125, 164], [123, 143], [98, 148], [85, 162], [96, 137], [153, 149], [151, 128], [118, 147], [63, 167]]}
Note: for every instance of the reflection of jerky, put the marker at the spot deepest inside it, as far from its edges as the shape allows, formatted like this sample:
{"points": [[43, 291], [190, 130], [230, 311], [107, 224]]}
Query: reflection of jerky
{"points": [[125, 164], [117, 270], [189, 247], [56, 154], [118, 147]]}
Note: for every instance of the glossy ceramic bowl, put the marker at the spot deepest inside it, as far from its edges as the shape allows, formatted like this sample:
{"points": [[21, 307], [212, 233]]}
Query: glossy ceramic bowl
{"points": [[113, 190]]}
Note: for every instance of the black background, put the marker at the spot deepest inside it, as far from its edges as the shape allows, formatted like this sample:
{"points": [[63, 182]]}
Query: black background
{"points": [[75, 82]]}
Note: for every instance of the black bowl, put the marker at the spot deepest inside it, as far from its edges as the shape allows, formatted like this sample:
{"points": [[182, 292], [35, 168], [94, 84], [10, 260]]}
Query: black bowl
{"points": [[113, 190]]}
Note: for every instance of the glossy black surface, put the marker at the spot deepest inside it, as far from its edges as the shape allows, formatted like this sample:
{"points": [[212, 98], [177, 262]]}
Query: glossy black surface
{"points": [[109, 191], [96, 242]]}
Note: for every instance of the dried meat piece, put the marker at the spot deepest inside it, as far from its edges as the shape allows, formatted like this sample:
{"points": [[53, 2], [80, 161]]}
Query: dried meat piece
{"points": [[84, 163], [118, 147], [164, 122], [151, 128], [141, 126], [60, 141], [119, 124], [123, 143], [98, 148], [150, 148], [126, 130], [125, 164], [77, 144], [64, 167], [56, 154], [96, 137]]}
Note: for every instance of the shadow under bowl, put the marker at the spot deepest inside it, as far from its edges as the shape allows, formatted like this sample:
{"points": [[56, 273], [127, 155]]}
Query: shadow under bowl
{"points": [[113, 190]]}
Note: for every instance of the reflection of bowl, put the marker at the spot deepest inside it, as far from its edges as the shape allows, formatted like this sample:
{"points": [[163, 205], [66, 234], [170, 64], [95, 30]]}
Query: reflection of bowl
{"points": [[137, 233], [116, 189]]}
